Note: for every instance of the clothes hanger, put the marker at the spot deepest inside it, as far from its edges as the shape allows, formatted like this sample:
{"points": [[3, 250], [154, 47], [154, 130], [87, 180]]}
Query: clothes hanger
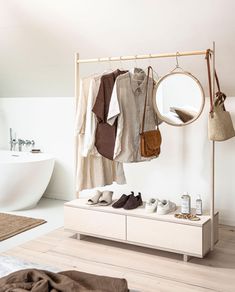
{"points": [[108, 68], [121, 63], [133, 70], [177, 67], [157, 77], [110, 65], [136, 65]]}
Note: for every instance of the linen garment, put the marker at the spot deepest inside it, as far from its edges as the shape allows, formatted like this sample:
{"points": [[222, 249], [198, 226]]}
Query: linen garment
{"points": [[127, 107], [105, 133], [91, 171], [90, 120]]}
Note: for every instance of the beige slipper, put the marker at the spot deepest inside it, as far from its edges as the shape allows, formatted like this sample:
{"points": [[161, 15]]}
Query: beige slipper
{"points": [[95, 199], [106, 198]]}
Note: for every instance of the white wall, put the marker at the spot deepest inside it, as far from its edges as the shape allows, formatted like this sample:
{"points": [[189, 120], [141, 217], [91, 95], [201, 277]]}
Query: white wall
{"points": [[50, 122], [184, 164], [39, 38], [38, 42]]}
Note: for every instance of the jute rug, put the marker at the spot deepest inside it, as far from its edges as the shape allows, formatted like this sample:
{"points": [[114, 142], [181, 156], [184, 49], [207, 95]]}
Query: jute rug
{"points": [[11, 225]]}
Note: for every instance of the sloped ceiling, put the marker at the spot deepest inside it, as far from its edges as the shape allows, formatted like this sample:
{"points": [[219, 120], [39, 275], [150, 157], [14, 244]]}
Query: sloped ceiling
{"points": [[39, 39]]}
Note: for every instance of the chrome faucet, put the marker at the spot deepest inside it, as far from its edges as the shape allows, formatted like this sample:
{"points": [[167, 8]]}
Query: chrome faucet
{"points": [[20, 142], [27, 143], [13, 141]]}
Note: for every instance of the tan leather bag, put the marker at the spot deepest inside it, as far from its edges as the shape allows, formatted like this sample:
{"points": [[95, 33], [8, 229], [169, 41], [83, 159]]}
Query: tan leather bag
{"points": [[220, 125], [150, 141]]}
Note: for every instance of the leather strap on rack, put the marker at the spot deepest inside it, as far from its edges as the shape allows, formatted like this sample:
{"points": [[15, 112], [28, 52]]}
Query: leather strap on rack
{"points": [[208, 55], [220, 96], [146, 96]]}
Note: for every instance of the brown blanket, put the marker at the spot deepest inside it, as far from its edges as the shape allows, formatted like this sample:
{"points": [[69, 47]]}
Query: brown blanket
{"points": [[70, 281]]}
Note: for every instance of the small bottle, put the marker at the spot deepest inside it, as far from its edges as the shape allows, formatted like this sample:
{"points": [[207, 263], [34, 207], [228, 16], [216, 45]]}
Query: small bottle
{"points": [[198, 205], [185, 204]]}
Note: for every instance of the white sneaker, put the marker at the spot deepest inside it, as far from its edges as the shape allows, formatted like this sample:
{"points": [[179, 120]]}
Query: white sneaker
{"points": [[165, 206], [151, 205]]}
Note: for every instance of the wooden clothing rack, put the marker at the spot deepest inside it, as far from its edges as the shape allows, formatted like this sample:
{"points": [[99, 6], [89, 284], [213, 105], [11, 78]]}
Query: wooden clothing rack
{"points": [[79, 61]]}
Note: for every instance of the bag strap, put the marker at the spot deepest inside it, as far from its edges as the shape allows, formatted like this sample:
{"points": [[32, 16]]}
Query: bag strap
{"points": [[208, 55], [146, 96], [220, 96], [217, 81]]}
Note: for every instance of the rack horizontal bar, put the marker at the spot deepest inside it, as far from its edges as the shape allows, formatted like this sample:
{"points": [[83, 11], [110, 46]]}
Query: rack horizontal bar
{"points": [[148, 56]]}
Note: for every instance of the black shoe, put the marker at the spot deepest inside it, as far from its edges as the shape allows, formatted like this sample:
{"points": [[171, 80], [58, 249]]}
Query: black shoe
{"points": [[122, 201], [133, 202]]}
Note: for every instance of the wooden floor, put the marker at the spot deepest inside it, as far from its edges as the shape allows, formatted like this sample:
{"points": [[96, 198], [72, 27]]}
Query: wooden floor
{"points": [[145, 269]]}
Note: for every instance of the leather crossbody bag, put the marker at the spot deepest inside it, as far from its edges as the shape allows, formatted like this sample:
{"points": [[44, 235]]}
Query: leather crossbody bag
{"points": [[150, 141]]}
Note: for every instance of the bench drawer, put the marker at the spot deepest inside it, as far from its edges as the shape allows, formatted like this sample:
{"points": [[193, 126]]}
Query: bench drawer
{"points": [[96, 223], [165, 235]]}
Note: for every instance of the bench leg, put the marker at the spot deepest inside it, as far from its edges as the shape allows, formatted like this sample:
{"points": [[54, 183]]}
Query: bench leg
{"points": [[79, 236], [186, 258]]}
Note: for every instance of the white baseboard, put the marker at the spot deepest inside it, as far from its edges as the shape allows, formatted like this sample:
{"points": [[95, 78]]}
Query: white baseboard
{"points": [[56, 196], [227, 222]]}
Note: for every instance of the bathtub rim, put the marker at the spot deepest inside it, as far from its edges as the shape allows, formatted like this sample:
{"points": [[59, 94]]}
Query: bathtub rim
{"points": [[36, 157]]}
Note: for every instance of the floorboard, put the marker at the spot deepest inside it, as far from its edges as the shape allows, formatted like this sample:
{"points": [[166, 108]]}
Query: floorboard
{"points": [[145, 269]]}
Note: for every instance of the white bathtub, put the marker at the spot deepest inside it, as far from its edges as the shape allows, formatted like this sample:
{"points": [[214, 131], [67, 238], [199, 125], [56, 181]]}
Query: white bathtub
{"points": [[23, 178]]}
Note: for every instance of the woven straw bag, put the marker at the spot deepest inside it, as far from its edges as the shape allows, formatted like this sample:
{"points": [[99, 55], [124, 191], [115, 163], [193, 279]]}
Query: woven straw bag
{"points": [[220, 125]]}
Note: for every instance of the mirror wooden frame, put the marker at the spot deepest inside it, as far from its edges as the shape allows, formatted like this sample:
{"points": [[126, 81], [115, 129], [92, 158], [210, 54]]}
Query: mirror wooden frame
{"points": [[160, 116]]}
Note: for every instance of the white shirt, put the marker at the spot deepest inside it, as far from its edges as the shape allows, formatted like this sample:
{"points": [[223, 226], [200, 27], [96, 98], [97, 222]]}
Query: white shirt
{"points": [[91, 121]]}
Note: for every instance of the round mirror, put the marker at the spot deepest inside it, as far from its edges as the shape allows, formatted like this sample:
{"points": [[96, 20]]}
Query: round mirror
{"points": [[179, 98]]}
